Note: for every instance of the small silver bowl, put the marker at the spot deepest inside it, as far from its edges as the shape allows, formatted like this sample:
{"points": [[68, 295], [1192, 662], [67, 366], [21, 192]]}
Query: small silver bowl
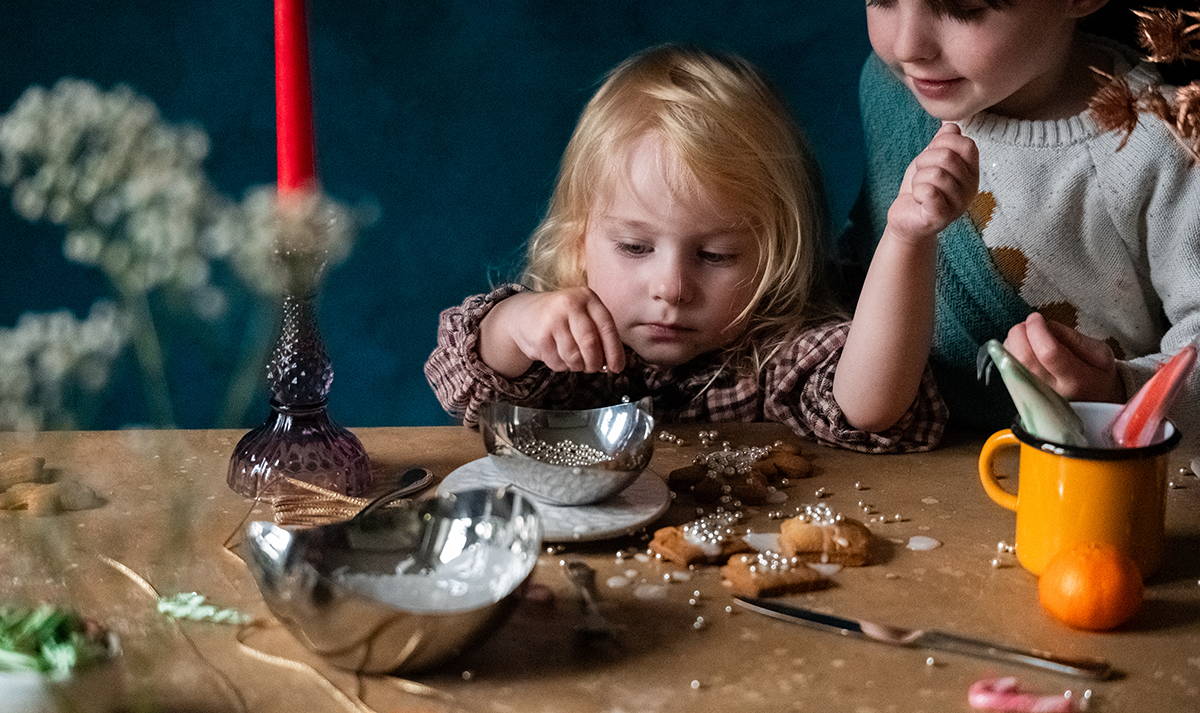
{"points": [[401, 588], [569, 457]]}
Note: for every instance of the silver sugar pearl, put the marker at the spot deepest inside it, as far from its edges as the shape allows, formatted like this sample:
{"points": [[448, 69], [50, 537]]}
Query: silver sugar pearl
{"points": [[696, 593], [694, 602], [930, 661], [699, 623], [695, 684], [859, 486], [997, 563], [728, 609], [468, 675]]}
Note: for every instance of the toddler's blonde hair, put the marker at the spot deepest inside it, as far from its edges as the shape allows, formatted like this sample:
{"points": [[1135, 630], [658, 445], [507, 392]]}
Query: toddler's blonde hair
{"points": [[736, 144]]}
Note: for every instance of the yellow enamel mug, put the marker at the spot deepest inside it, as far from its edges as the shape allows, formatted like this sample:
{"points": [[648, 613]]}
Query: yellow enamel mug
{"points": [[1068, 494]]}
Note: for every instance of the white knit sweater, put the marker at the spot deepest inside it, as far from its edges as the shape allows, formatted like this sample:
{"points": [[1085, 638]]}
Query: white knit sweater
{"points": [[1103, 240]]}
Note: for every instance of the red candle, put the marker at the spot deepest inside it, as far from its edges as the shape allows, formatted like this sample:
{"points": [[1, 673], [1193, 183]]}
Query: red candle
{"points": [[293, 99]]}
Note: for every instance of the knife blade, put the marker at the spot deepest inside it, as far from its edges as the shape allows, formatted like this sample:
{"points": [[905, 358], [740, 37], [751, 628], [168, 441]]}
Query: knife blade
{"points": [[1084, 667]]}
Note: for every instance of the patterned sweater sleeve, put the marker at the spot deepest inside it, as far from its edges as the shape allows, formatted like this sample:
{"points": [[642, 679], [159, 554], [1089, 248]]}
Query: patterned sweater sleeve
{"points": [[798, 391], [1157, 208], [460, 379]]}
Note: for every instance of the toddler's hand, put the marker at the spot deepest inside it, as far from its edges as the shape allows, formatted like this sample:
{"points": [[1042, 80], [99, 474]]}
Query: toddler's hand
{"points": [[1078, 367], [567, 330], [938, 186]]}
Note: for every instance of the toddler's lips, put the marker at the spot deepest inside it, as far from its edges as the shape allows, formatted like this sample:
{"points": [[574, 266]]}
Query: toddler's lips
{"points": [[662, 330], [935, 88]]}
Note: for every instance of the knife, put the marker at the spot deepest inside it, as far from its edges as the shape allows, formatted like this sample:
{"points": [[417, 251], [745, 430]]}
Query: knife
{"points": [[1086, 667]]}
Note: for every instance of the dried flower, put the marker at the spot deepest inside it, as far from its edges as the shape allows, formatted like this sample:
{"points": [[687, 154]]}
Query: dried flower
{"points": [[48, 360], [1114, 106], [1166, 36], [1187, 107]]}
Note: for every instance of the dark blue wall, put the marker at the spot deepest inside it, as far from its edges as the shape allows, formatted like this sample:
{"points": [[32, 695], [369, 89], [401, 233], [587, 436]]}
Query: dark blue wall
{"points": [[448, 116]]}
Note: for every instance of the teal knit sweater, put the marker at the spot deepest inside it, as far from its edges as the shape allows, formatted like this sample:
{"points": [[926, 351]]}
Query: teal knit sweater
{"points": [[973, 302]]}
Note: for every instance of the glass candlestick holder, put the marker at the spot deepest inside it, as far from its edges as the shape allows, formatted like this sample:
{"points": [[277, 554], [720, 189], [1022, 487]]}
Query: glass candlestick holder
{"points": [[299, 440]]}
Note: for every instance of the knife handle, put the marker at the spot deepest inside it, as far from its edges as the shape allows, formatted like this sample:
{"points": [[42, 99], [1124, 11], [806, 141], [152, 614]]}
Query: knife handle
{"points": [[1085, 667]]}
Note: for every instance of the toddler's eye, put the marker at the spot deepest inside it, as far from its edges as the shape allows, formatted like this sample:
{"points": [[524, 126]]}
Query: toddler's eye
{"points": [[717, 258], [632, 248]]}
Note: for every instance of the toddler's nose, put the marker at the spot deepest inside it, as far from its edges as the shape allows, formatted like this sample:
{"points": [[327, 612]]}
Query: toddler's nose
{"points": [[673, 286]]}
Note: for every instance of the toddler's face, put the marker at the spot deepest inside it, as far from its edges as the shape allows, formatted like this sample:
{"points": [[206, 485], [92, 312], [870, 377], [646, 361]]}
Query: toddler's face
{"points": [[675, 272], [1011, 60]]}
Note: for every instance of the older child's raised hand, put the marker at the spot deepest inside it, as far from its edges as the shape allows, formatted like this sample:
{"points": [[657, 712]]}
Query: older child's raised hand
{"points": [[1078, 367], [938, 186], [567, 330]]}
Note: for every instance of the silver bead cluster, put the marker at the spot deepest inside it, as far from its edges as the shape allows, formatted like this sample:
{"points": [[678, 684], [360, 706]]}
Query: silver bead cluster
{"points": [[771, 561], [707, 437], [713, 529], [729, 461], [668, 437], [565, 453], [819, 514]]}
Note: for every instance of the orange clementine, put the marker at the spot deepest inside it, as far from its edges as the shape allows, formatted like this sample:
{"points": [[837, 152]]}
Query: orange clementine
{"points": [[1091, 585]]}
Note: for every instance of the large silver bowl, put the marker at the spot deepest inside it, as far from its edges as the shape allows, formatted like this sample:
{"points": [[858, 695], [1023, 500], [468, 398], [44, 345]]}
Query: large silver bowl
{"points": [[399, 588], [569, 457]]}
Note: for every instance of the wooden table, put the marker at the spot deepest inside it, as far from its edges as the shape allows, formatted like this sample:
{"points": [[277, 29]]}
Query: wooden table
{"points": [[168, 512]]}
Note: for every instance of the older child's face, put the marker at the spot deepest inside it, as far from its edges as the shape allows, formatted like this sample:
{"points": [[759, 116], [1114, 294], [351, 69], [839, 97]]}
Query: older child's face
{"points": [[1011, 60], [674, 271]]}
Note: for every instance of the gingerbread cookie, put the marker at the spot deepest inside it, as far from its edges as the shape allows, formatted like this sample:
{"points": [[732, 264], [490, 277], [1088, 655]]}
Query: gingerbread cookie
{"points": [[710, 539], [820, 535], [770, 574], [783, 464]]}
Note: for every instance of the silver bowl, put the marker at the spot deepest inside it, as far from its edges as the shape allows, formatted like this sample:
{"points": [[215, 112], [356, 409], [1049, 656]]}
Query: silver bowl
{"points": [[569, 457], [400, 588]]}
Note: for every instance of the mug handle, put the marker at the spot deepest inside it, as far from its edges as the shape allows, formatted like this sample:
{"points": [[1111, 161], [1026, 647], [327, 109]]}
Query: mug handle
{"points": [[995, 443]]}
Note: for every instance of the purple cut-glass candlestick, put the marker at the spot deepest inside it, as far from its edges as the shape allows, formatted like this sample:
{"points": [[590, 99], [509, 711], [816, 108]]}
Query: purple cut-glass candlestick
{"points": [[298, 439]]}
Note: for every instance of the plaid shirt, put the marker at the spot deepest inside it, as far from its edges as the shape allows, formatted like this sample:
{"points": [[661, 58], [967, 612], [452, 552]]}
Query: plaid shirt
{"points": [[795, 387]]}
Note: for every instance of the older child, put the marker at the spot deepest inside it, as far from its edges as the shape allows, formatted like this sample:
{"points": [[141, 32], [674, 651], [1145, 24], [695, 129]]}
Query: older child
{"points": [[677, 260], [1085, 253]]}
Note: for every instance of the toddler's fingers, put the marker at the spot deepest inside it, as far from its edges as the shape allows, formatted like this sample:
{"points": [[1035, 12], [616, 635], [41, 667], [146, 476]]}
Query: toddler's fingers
{"points": [[587, 341], [1092, 352], [610, 337]]}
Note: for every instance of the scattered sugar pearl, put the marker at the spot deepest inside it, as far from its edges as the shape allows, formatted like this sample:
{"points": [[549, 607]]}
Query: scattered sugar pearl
{"points": [[922, 543], [699, 623], [1004, 548], [997, 563], [728, 609], [695, 684], [1175, 486], [821, 493], [931, 661], [897, 518], [694, 602], [468, 675], [859, 485]]}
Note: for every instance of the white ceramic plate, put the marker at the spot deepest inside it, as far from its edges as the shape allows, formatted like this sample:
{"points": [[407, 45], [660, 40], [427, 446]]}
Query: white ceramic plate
{"points": [[636, 506]]}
